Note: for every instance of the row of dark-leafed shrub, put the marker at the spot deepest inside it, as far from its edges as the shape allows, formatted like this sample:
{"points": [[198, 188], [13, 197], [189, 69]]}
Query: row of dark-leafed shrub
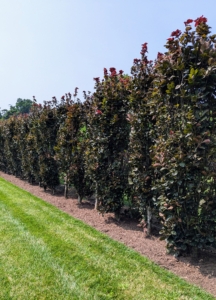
{"points": [[147, 139]]}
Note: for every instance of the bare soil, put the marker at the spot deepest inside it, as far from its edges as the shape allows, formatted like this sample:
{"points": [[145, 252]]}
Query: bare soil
{"points": [[201, 272]]}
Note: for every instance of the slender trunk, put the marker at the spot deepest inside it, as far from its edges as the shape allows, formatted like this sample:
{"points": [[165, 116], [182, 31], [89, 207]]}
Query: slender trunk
{"points": [[66, 186], [96, 196], [79, 199], [66, 190], [149, 218]]}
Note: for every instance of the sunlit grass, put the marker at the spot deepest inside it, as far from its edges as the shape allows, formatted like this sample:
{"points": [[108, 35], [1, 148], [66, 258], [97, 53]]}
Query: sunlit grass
{"points": [[47, 254]]}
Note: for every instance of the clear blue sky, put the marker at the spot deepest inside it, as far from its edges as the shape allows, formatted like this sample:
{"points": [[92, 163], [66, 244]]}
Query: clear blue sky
{"points": [[49, 47]]}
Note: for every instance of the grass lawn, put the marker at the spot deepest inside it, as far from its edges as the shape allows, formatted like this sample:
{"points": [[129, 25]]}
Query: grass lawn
{"points": [[47, 254]]}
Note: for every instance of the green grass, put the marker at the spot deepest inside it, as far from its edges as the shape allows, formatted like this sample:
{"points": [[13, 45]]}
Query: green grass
{"points": [[47, 254]]}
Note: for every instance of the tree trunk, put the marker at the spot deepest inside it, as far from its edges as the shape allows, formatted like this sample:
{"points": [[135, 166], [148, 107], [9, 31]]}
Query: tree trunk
{"points": [[149, 218], [66, 186], [66, 190], [80, 199], [96, 196]]}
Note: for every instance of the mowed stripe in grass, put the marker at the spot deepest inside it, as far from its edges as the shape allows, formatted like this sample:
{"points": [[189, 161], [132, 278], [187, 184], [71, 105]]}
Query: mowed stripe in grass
{"points": [[47, 254]]}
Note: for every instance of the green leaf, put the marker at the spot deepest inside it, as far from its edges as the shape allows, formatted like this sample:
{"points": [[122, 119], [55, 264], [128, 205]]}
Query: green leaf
{"points": [[202, 201], [182, 164]]}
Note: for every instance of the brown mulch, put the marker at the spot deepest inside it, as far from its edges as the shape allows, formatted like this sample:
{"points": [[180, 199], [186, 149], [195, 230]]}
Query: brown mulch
{"points": [[201, 272]]}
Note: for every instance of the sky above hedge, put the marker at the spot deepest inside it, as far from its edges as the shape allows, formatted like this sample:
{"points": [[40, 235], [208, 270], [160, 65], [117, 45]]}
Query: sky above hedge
{"points": [[50, 47]]}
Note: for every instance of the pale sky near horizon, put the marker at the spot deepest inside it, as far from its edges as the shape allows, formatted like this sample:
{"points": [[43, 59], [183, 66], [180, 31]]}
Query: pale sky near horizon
{"points": [[49, 47]]}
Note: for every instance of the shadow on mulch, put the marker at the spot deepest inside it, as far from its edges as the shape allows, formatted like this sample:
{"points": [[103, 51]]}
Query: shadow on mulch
{"points": [[206, 263], [59, 192]]}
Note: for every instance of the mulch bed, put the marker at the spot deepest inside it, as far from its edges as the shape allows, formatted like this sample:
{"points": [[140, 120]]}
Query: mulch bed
{"points": [[129, 232]]}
